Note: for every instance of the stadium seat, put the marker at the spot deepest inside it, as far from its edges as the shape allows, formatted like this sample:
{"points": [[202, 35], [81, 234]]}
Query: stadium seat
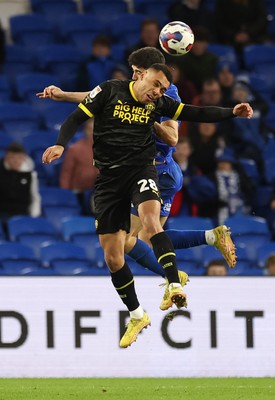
{"points": [[61, 60], [189, 223], [36, 143], [264, 252], [261, 200], [99, 71], [189, 261], [270, 171], [80, 29], [5, 141], [257, 54], [249, 232], [64, 258], [225, 53], [270, 117], [54, 114], [18, 119], [31, 30], [137, 269], [16, 255], [251, 169], [249, 131], [105, 9], [125, 29], [54, 9], [18, 60], [259, 84], [57, 204], [5, 90], [74, 226], [31, 231], [27, 85]]}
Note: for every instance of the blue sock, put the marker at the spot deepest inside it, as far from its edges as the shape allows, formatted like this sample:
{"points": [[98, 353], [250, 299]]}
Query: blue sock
{"points": [[144, 255], [185, 239]]}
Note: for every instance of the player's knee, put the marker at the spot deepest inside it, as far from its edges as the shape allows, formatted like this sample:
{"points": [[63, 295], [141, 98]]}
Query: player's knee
{"points": [[114, 260]]}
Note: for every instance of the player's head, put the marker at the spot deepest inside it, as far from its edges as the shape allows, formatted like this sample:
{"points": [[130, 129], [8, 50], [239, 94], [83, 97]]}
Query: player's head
{"points": [[153, 83], [143, 58]]}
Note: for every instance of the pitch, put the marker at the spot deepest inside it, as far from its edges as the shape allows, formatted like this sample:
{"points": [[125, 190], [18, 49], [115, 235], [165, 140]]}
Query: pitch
{"points": [[138, 389]]}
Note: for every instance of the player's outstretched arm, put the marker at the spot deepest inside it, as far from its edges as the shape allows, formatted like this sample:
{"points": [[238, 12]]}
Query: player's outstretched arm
{"points": [[167, 132], [57, 94], [214, 114], [67, 130]]}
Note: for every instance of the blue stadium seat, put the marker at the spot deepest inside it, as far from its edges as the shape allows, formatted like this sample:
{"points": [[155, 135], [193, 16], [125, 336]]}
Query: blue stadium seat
{"points": [[16, 255], [61, 60], [5, 141], [251, 169], [270, 117], [57, 204], [74, 226], [54, 114], [153, 9], [64, 258], [31, 231], [5, 90], [28, 84], [260, 60], [54, 9], [105, 9], [264, 252], [188, 261], [189, 223], [36, 143], [249, 232], [125, 28], [270, 171], [80, 29], [31, 30], [261, 200], [225, 53], [18, 119], [18, 60], [259, 84], [99, 71]]}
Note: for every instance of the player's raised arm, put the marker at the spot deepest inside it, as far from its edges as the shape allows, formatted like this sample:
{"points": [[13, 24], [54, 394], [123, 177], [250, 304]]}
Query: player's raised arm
{"points": [[67, 130], [212, 113], [57, 94]]}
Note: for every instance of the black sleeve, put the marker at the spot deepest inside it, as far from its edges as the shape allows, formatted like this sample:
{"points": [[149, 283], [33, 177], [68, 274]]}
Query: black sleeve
{"points": [[70, 126], [205, 114]]}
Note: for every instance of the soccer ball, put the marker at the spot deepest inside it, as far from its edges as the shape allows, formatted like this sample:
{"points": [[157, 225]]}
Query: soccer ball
{"points": [[176, 38]]}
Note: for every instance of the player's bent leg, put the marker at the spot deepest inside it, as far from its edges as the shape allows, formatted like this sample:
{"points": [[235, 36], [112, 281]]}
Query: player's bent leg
{"points": [[134, 327], [225, 245]]}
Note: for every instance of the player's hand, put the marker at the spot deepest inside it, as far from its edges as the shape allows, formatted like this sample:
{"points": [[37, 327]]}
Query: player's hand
{"points": [[52, 92], [52, 153], [243, 110]]}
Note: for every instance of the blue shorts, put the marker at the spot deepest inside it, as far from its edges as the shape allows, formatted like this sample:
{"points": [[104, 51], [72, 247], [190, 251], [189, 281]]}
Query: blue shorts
{"points": [[170, 182]]}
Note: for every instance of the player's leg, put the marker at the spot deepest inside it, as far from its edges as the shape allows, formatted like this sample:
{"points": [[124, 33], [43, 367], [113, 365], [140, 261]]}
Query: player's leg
{"points": [[112, 223]]}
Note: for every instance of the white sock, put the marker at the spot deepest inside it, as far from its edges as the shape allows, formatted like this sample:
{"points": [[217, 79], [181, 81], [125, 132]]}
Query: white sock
{"points": [[175, 284], [137, 313], [210, 237]]}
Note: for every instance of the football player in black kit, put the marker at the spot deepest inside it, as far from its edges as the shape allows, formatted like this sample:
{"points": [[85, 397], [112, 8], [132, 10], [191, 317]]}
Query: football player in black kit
{"points": [[125, 113]]}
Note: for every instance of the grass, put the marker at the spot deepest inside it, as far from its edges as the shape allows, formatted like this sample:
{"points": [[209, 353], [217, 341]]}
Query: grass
{"points": [[138, 389]]}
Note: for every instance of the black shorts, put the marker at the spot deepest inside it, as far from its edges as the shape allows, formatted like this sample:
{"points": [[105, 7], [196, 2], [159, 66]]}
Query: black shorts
{"points": [[116, 189]]}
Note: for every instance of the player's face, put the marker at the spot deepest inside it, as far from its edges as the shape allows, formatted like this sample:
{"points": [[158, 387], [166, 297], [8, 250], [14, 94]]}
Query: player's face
{"points": [[137, 72], [151, 86]]}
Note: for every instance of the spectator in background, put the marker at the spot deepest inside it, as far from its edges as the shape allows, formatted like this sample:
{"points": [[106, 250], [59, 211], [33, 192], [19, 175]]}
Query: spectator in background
{"points": [[199, 64], [216, 268], [241, 22], [211, 94], [77, 172], [186, 89], [182, 203], [19, 193], [2, 48], [149, 36], [205, 140], [99, 66], [270, 265], [226, 74], [192, 13], [234, 189]]}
